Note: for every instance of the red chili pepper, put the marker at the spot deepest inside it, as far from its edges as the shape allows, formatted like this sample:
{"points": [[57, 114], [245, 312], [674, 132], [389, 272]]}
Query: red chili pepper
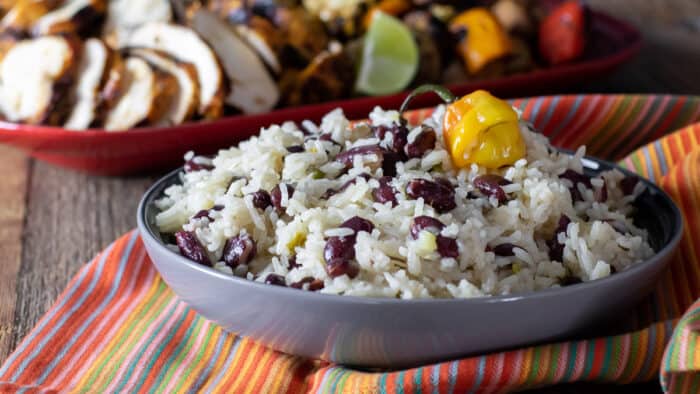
{"points": [[563, 33]]}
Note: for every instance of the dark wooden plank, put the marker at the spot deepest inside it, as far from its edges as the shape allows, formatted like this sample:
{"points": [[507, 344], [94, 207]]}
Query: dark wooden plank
{"points": [[72, 216], [15, 169]]}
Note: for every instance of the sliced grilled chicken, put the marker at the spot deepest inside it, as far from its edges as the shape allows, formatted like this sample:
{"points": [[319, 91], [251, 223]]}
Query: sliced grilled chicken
{"points": [[185, 45], [185, 101], [21, 17], [135, 104], [73, 16], [35, 79], [123, 16], [112, 87], [252, 88], [91, 73], [264, 38]]}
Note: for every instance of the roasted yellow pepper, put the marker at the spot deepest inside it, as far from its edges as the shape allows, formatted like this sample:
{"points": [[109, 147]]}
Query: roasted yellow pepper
{"points": [[484, 40], [484, 130]]}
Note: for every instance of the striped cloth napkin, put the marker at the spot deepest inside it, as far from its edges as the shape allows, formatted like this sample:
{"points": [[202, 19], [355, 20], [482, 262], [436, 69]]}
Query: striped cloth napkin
{"points": [[118, 328]]}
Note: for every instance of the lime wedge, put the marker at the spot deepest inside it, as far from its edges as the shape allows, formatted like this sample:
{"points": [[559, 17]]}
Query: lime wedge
{"points": [[389, 57]]}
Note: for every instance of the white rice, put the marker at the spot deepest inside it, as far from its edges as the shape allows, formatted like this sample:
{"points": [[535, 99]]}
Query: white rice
{"points": [[392, 264]]}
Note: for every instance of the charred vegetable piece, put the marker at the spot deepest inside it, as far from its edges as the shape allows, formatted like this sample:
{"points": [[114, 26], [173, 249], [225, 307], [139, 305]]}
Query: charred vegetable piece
{"points": [[484, 39], [562, 36]]}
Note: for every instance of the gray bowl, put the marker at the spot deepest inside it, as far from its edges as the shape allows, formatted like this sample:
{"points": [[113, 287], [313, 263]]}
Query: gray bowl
{"points": [[392, 333]]}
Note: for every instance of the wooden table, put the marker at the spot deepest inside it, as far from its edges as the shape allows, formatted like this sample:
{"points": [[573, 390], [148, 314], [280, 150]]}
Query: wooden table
{"points": [[52, 220]]}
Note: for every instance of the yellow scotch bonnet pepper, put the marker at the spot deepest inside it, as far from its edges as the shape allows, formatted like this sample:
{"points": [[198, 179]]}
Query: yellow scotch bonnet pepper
{"points": [[478, 129]]}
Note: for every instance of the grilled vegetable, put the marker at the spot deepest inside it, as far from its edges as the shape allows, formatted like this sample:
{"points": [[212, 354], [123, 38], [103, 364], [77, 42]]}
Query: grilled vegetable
{"points": [[36, 79], [484, 40], [184, 104], [252, 88], [185, 45], [563, 33]]}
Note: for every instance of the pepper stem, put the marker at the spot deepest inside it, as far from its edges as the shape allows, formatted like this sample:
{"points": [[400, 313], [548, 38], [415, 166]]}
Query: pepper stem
{"points": [[440, 90]]}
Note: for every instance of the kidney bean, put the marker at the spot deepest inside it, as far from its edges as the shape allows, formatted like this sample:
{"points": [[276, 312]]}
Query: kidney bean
{"points": [[505, 249], [239, 250], [338, 253], [424, 142], [358, 224], [326, 137], [275, 280], [428, 223], [302, 282], [191, 248], [347, 158], [192, 166], [628, 184], [276, 196], [438, 194], [576, 178], [490, 185], [389, 162], [601, 195], [385, 192], [295, 148], [316, 285], [206, 212], [399, 134], [556, 249], [261, 199], [331, 192], [447, 247], [292, 263]]}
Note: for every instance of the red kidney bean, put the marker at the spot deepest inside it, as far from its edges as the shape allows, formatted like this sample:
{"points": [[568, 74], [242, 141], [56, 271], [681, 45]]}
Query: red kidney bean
{"points": [[191, 166], [447, 247], [385, 192], [239, 250], [276, 196], [338, 253], [347, 158], [575, 179], [505, 249], [358, 224], [424, 142], [399, 135], [261, 199], [206, 212], [326, 137], [601, 195], [628, 184], [331, 192], [389, 162], [316, 285], [439, 194], [490, 185], [556, 249], [428, 223], [295, 148], [302, 282], [292, 263], [191, 248], [275, 280]]}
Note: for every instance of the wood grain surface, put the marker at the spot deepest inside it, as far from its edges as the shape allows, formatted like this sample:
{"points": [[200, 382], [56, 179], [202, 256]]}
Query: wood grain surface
{"points": [[53, 220]]}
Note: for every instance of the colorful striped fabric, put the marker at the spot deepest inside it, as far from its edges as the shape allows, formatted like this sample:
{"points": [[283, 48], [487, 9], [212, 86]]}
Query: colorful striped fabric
{"points": [[118, 328]]}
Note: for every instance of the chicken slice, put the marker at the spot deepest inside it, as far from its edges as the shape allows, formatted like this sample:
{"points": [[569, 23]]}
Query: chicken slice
{"points": [[264, 38], [123, 16], [73, 16], [35, 79], [91, 72], [21, 17], [252, 88], [185, 102], [185, 45], [135, 104]]}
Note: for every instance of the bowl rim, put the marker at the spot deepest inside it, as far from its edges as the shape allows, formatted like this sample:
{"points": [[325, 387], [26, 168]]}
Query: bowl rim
{"points": [[147, 230]]}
